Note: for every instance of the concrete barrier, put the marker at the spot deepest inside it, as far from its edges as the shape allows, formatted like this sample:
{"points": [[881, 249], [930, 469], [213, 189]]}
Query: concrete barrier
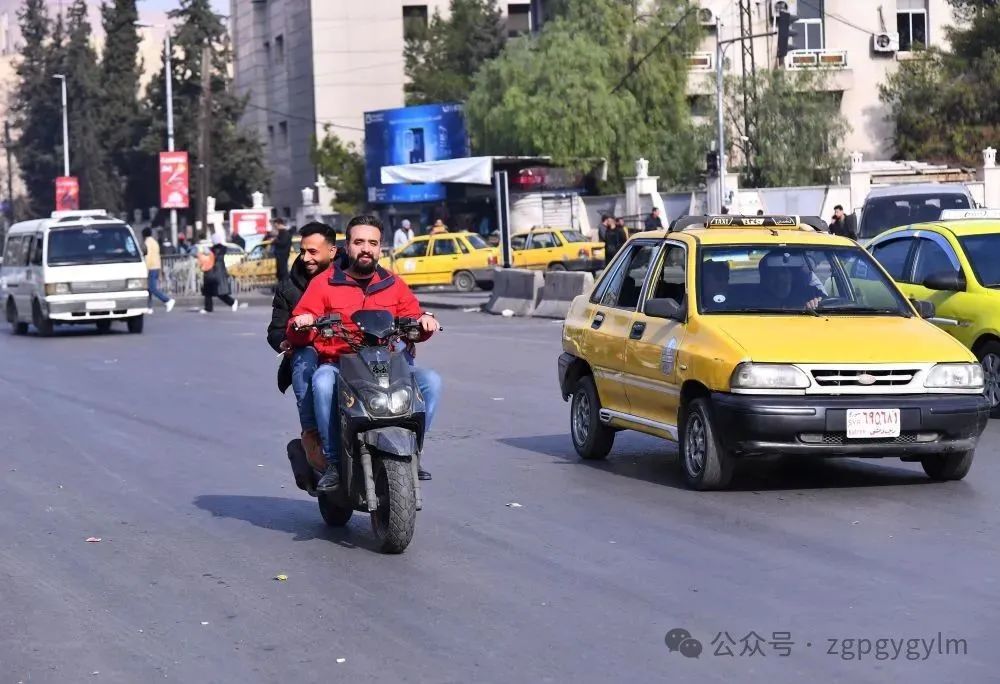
{"points": [[515, 289], [561, 288]]}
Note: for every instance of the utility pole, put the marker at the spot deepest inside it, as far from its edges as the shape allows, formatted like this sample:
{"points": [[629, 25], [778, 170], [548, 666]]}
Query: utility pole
{"points": [[750, 101], [65, 123], [10, 172], [169, 73], [204, 143]]}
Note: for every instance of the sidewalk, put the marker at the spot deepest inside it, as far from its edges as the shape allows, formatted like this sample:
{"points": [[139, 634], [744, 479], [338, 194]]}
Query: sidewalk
{"points": [[430, 299]]}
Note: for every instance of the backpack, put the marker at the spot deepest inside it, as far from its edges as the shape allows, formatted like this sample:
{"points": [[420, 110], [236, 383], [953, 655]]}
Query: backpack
{"points": [[206, 261]]}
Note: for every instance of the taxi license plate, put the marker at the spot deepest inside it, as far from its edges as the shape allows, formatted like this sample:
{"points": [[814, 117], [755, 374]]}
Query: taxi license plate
{"points": [[100, 306], [872, 423]]}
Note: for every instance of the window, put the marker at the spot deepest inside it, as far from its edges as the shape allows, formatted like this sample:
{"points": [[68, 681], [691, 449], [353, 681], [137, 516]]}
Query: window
{"points": [[97, 244], [808, 30], [414, 22], [623, 291], [445, 247], [892, 255], [911, 22], [476, 241], [279, 50], [518, 19], [518, 242], [883, 213], [35, 257], [931, 259], [461, 246], [14, 256], [414, 251], [542, 241], [671, 282], [573, 236], [983, 252]]}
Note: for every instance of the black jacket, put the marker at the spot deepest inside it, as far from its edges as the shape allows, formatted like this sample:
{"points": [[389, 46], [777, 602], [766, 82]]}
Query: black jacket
{"points": [[216, 281], [614, 240], [282, 243], [286, 296]]}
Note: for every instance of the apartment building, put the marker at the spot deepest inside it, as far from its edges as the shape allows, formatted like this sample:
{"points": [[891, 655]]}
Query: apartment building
{"points": [[306, 64], [859, 42]]}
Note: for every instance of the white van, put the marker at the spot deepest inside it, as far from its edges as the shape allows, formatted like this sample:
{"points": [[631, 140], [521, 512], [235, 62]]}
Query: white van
{"points": [[75, 267]]}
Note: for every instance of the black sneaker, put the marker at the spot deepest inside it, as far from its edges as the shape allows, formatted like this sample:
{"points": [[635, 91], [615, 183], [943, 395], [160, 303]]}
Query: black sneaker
{"points": [[330, 479], [423, 474]]}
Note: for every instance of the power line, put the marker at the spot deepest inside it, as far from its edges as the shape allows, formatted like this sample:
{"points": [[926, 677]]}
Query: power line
{"points": [[656, 47], [298, 117]]}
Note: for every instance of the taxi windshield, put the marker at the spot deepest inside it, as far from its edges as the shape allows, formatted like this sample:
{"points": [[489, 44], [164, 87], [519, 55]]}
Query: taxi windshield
{"points": [[795, 279], [983, 252]]}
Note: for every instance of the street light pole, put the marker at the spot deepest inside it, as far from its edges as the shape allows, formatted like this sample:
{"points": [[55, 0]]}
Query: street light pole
{"points": [[168, 74], [721, 128], [65, 122]]}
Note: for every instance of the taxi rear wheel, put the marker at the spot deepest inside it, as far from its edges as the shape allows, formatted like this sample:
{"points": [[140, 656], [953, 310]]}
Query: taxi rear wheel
{"points": [[464, 281], [705, 462], [948, 466], [591, 438], [989, 357]]}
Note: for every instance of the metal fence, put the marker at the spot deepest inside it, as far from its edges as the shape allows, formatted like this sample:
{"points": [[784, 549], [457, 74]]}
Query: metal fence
{"points": [[180, 276]]}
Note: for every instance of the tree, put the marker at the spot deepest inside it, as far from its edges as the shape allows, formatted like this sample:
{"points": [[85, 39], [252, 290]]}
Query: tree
{"points": [[343, 168], [120, 74], [440, 63], [799, 129], [601, 80]]}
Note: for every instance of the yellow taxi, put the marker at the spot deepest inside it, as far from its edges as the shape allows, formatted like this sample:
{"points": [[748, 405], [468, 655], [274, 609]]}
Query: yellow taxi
{"points": [[460, 259], [260, 262], [556, 249], [752, 336], [954, 263]]}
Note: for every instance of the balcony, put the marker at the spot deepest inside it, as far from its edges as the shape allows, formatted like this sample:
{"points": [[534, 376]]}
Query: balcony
{"points": [[834, 62]]}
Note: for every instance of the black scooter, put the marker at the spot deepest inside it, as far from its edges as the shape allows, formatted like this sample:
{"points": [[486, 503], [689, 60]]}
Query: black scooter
{"points": [[382, 421]]}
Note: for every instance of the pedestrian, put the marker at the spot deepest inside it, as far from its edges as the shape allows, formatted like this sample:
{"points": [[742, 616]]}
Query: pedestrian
{"points": [[402, 236], [620, 223], [438, 227], [282, 247], [154, 266], [839, 226], [653, 221], [725, 211], [182, 245], [216, 283], [237, 239], [602, 229], [614, 239]]}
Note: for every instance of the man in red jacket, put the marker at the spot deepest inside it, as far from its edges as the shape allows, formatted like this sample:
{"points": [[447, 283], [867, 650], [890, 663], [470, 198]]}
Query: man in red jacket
{"points": [[362, 284]]}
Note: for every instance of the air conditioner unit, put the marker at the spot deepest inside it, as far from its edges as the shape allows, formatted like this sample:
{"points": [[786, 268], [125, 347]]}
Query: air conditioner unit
{"points": [[885, 42], [706, 17], [779, 6]]}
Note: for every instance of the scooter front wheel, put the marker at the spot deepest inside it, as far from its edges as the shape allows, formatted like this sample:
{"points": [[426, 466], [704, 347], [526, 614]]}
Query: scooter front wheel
{"points": [[333, 515], [394, 519]]}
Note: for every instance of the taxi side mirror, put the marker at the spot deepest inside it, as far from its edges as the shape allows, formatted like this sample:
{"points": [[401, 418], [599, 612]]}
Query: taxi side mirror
{"points": [[924, 308], [948, 281], [665, 308]]}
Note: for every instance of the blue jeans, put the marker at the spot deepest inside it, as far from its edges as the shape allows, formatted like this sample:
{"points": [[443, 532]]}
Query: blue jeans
{"points": [[304, 364], [325, 401], [154, 286]]}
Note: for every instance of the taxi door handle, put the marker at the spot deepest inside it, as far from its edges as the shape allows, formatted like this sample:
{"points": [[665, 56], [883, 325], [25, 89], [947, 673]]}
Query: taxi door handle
{"points": [[598, 319], [637, 330]]}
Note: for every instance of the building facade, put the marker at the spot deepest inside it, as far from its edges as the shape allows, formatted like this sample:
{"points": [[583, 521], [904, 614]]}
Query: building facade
{"points": [[309, 64]]}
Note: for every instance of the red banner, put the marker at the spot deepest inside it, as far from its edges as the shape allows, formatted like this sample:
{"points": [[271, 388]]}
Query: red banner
{"points": [[174, 192], [249, 221], [67, 193]]}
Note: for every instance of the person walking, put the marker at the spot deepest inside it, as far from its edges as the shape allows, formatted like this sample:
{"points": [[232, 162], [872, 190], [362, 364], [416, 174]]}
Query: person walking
{"points": [[216, 283], [614, 239], [237, 239], [402, 236], [653, 221], [154, 266], [282, 247]]}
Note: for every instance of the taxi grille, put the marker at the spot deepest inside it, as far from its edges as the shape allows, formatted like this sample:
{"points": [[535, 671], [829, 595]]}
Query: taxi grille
{"points": [[840, 438], [854, 377]]}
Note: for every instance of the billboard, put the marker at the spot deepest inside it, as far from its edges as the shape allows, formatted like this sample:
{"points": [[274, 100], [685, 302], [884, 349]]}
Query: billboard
{"points": [[408, 136], [249, 221], [67, 193], [174, 193]]}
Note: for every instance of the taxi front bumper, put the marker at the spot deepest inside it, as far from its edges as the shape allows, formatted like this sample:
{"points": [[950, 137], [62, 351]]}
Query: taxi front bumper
{"points": [[758, 425]]}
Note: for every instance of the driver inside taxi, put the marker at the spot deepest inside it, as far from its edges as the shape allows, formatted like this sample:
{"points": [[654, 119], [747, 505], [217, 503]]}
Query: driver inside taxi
{"points": [[787, 283]]}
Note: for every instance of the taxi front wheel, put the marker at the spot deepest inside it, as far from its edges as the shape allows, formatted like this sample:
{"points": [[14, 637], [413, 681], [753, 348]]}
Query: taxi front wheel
{"points": [[591, 438], [706, 463], [948, 466]]}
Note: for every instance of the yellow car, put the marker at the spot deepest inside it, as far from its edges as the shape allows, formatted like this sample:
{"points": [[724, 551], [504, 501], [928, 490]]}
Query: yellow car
{"points": [[556, 249], [740, 337], [460, 259], [954, 263], [260, 262]]}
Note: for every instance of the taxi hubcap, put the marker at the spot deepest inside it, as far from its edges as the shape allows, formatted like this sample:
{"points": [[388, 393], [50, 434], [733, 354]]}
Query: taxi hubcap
{"points": [[991, 367], [581, 417], [695, 445]]}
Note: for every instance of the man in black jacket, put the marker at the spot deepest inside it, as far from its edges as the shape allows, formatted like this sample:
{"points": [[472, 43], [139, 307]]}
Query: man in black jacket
{"points": [[318, 249], [282, 247]]}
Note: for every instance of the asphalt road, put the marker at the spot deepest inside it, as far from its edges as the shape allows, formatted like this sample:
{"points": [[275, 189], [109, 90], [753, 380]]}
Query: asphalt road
{"points": [[169, 447]]}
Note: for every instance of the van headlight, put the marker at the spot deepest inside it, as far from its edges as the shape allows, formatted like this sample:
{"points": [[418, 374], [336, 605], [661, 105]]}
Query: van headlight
{"points": [[955, 376], [56, 289], [768, 376], [136, 284]]}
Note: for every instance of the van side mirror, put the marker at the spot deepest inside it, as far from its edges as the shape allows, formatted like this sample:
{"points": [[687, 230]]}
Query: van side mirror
{"points": [[924, 308], [948, 281], [665, 308]]}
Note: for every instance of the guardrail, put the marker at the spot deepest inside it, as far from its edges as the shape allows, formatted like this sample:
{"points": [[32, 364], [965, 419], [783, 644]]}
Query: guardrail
{"points": [[180, 276]]}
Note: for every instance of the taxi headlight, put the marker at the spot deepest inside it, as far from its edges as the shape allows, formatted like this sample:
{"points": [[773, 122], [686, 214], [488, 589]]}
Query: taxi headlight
{"points": [[135, 284], [955, 376], [768, 376], [56, 289]]}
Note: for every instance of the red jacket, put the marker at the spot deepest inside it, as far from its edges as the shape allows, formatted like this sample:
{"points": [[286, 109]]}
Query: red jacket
{"points": [[334, 292]]}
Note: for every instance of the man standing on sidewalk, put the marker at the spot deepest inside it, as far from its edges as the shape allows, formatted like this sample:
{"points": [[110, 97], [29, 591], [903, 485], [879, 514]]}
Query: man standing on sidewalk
{"points": [[402, 236], [154, 266], [282, 247]]}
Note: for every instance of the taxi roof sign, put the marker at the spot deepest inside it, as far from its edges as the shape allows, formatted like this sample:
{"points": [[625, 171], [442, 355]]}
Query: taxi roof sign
{"points": [[958, 214], [738, 221]]}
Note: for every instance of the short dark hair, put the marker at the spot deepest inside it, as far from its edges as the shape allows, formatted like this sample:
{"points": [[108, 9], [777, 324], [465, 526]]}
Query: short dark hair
{"points": [[317, 228], [280, 220], [147, 232], [364, 220], [839, 206]]}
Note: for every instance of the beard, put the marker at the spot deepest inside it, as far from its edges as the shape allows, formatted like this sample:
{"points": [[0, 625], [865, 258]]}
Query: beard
{"points": [[363, 268]]}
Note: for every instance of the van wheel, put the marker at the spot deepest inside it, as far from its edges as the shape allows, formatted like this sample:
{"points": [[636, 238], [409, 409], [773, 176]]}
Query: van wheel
{"points": [[989, 356], [592, 439], [134, 324], [104, 327], [464, 281], [42, 324], [948, 466], [18, 327], [706, 463]]}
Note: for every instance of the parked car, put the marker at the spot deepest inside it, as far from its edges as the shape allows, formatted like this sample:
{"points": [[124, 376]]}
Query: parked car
{"points": [[556, 249], [902, 205], [460, 259]]}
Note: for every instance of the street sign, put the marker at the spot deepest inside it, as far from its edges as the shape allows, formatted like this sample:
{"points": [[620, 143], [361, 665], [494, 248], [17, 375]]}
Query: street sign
{"points": [[67, 193], [174, 191], [249, 221]]}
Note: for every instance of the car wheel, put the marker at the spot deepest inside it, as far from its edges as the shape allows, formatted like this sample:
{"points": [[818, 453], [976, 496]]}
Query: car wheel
{"points": [[989, 357], [591, 438], [464, 281], [948, 466], [557, 266], [706, 463]]}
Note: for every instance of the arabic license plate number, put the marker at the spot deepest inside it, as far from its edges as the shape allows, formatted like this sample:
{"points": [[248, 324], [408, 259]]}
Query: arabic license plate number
{"points": [[872, 423], [100, 306]]}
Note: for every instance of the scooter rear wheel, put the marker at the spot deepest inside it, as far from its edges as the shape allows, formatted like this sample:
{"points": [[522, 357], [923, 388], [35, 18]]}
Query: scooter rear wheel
{"points": [[333, 515], [394, 519]]}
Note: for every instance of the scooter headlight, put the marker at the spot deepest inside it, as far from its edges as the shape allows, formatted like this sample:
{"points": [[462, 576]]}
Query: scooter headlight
{"points": [[399, 401], [378, 402]]}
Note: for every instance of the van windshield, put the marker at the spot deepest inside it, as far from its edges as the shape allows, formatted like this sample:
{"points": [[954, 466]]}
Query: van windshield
{"points": [[93, 244], [882, 213]]}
